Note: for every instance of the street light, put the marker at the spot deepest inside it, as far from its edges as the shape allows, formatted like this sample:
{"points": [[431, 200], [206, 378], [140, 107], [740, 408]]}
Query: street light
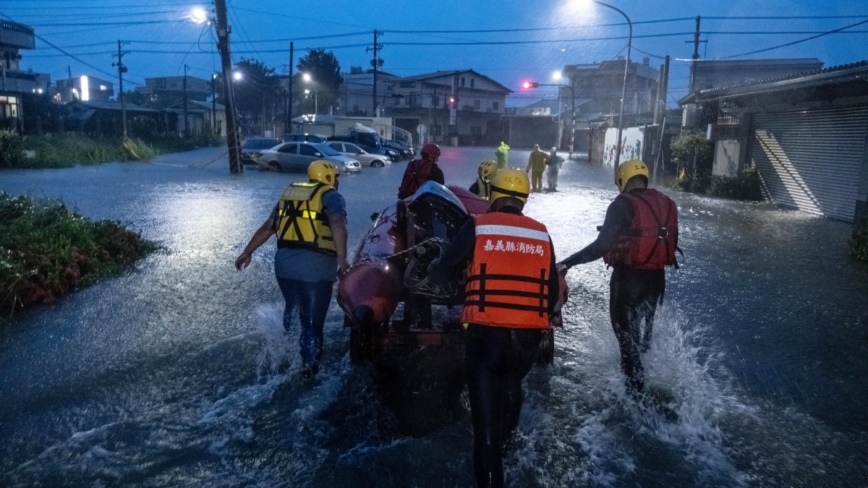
{"points": [[307, 78], [533, 84], [624, 88]]}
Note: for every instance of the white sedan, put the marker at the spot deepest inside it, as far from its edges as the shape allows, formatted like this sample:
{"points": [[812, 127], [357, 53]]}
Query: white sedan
{"points": [[364, 157], [297, 156]]}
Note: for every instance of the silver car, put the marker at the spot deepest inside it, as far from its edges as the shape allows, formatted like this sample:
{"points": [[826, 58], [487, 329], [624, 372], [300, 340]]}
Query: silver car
{"points": [[297, 156], [364, 157]]}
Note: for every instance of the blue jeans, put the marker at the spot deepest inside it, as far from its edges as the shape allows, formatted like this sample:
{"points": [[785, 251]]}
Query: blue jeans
{"points": [[312, 300]]}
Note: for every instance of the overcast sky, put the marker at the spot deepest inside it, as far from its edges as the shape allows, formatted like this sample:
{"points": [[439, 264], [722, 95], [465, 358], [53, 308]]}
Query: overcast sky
{"points": [[509, 41]]}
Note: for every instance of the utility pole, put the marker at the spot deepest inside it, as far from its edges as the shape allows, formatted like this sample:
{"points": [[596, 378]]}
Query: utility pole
{"points": [[213, 105], [186, 129], [288, 128], [121, 70], [235, 165], [695, 55], [376, 64]]}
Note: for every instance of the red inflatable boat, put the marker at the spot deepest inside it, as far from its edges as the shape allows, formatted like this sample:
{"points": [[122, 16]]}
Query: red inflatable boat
{"points": [[390, 267]]}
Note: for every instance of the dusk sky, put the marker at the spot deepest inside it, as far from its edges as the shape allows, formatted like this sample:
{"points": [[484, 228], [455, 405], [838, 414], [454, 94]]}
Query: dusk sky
{"points": [[508, 41]]}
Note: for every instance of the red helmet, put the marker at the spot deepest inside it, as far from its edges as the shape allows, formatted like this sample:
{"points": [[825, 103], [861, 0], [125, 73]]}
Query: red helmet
{"points": [[430, 151]]}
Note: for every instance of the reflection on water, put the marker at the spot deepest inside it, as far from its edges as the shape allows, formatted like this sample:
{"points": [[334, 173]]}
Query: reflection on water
{"points": [[180, 373]]}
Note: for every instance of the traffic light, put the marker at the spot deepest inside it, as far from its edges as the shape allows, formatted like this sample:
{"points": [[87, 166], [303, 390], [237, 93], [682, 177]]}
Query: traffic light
{"points": [[453, 100], [530, 84]]}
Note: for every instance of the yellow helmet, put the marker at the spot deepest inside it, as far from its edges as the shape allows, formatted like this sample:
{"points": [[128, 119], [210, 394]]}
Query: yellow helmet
{"points": [[323, 171], [510, 182], [629, 169], [487, 169]]}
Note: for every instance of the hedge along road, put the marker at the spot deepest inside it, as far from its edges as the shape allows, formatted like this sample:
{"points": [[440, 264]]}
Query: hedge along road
{"points": [[168, 375]]}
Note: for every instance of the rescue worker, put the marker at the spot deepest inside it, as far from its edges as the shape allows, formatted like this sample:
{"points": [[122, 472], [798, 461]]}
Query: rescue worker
{"points": [[536, 164], [554, 166], [501, 154], [638, 238], [311, 227], [482, 185], [421, 170], [511, 291]]}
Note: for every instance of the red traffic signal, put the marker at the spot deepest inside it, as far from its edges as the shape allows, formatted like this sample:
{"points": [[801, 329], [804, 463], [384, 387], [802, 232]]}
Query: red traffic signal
{"points": [[530, 84]]}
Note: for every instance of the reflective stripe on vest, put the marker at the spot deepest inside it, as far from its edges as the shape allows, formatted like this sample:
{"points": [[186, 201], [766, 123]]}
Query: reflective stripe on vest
{"points": [[302, 221], [508, 278], [652, 238]]}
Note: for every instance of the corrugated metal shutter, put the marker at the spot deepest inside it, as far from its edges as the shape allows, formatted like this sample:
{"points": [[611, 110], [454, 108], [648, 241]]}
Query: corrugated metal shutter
{"points": [[811, 160]]}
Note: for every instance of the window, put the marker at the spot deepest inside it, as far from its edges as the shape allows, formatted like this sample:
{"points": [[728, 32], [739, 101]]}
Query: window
{"points": [[435, 101], [472, 82], [307, 150], [288, 148], [337, 146], [477, 104], [462, 81], [495, 106], [408, 84]]}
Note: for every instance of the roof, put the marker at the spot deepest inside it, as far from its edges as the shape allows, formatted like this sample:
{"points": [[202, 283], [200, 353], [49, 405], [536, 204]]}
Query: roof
{"points": [[98, 105], [441, 74], [847, 73]]}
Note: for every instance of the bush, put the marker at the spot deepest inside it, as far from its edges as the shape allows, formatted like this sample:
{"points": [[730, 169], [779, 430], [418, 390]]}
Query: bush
{"points": [[858, 245], [47, 251], [692, 152], [10, 148], [745, 186]]}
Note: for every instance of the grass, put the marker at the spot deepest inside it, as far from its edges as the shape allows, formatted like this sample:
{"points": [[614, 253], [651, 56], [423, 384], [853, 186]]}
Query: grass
{"points": [[47, 251]]}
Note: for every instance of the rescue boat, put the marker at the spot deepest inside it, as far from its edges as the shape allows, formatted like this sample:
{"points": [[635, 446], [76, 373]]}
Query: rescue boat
{"points": [[390, 267]]}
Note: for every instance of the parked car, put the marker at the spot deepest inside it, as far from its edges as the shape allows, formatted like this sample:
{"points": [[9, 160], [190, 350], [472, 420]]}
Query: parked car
{"points": [[369, 141], [364, 157], [406, 151], [256, 144], [306, 138], [297, 156]]}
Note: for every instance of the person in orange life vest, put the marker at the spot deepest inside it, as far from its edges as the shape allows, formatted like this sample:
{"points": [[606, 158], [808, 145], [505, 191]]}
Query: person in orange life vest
{"points": [[512, 289], [421, 170], [638, 238]]}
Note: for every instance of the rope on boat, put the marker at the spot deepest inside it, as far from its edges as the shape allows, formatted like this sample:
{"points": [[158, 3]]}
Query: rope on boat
{"points": [[431, 240]]}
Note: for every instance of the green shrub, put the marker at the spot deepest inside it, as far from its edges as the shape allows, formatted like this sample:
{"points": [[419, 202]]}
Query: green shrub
{"points": [[10, 148], [745, 186], [858, 245], [692, 152], [47, 251]]}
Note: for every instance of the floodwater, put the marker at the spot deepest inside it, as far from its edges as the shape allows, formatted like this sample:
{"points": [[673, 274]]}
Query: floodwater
{"points": [[169, 375]]}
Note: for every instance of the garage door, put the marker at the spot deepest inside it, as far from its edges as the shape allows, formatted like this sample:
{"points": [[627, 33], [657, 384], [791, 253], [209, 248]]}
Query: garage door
{"points": [[811, 160]]}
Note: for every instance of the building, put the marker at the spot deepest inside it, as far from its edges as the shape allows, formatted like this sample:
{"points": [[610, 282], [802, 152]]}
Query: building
{"points": [[356, 93], [602, 85], [460, 107], [806, 133], [85, 88], [15, 83], [173, 87]]}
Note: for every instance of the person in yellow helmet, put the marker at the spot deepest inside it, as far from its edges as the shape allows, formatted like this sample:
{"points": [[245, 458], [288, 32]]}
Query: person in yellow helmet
{"points": [[511, 292], [536, 164], [484, 174], [501, 154], [638, 239], [310, 222]]}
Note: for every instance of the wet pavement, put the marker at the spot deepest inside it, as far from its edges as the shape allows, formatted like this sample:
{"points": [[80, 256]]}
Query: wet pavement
{"points": [[169, 375]]}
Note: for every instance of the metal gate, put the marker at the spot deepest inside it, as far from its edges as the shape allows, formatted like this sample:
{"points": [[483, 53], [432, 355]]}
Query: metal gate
{"points": [[811, 160]]}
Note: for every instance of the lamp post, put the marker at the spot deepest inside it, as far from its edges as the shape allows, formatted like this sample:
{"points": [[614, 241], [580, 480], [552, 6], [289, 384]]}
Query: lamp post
{"points": [[533, 84], [624, 87], [306, 77]]}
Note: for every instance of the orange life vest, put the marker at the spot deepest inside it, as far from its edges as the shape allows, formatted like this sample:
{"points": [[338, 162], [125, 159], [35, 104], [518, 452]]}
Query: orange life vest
{"points": [[652, 239], [508, 278]]}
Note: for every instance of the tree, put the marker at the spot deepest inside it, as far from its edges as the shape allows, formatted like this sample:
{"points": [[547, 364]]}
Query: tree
{"points": [[325, 72], [256, 94]]}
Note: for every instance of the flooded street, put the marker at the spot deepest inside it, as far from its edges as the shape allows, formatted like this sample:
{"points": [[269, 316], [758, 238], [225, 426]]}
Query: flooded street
{"points": [[168, 376]]}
